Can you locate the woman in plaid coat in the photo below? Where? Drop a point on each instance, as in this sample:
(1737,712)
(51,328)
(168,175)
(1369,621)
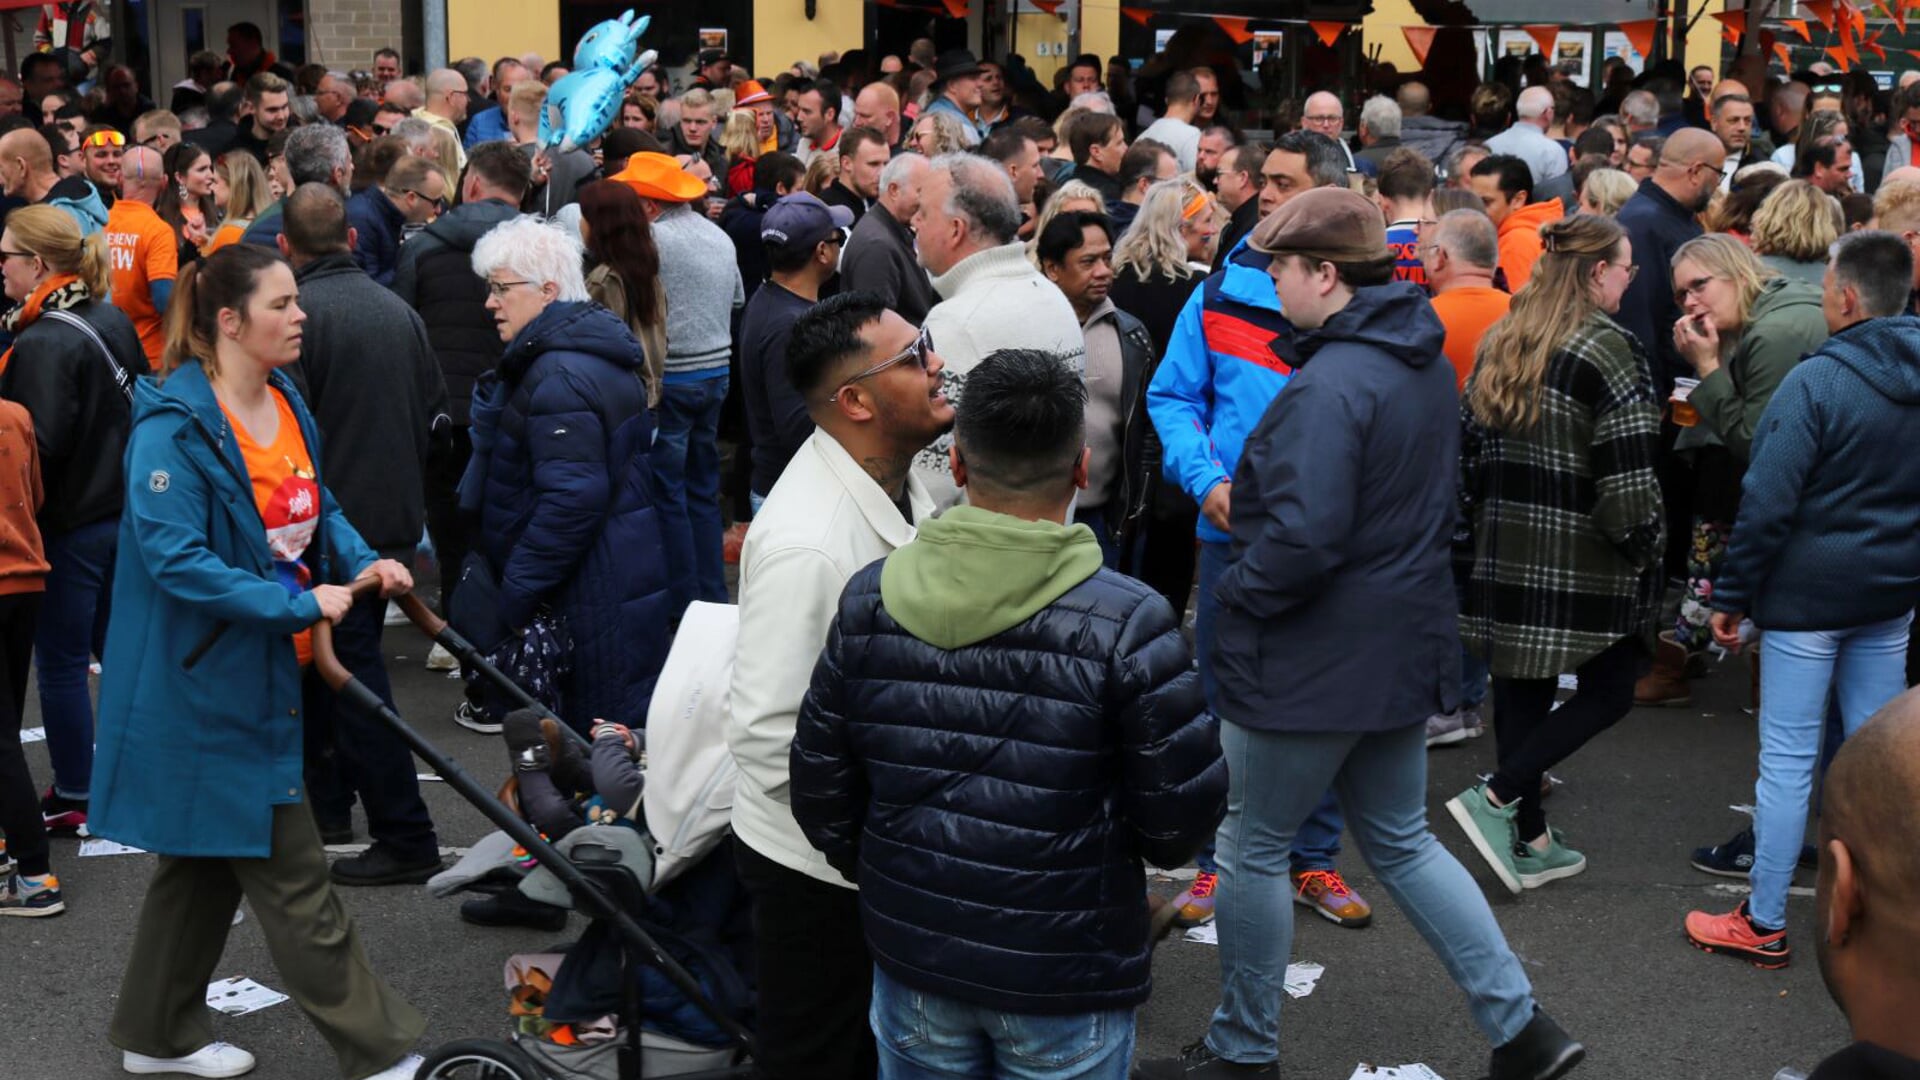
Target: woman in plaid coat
(1558,493)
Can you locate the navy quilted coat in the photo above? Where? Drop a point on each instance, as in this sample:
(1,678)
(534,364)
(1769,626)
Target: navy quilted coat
(996,800)
(568,517)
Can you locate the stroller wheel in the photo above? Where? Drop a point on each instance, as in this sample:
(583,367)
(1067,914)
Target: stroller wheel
(479,1059)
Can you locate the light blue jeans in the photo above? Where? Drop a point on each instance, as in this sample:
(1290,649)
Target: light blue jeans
(1864,667)
(925,1036)
(1274,780)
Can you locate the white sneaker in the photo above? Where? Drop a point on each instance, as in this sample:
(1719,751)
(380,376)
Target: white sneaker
(213,1059)
(404,1069)
(396,617)
(439,659)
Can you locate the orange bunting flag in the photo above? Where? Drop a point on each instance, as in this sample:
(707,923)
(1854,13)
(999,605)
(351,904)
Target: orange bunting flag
(1640,35)
(1785,54)
(1051,7)
(1873,43)
(1735,21)
(1544,36)
(956,9)
(1915,53)
(1822,10)
(1839,57)
(1235,28)
(1857,17)
(1727,35)
(1896,11)
(1798,26)
(1139,15)
(1420,40)
(1329,31)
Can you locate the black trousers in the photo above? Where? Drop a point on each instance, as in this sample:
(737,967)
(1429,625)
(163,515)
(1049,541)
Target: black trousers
(20,819)
(814,973)
(446,525)
(1531,736)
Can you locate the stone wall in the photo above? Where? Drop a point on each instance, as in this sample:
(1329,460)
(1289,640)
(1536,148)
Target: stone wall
(345,33)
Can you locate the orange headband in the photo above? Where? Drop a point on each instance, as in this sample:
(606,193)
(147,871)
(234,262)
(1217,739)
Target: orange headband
(1194,206)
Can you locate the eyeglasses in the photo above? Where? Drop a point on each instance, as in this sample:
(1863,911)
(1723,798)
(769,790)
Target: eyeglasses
(1632,269)
(5,254)
(1325,119)
(499,289)
(381,129)
(108,137)
(918,352)
(1690,288)
(439,204)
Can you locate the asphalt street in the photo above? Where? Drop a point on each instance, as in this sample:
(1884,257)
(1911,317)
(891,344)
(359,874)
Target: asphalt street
(1604,950)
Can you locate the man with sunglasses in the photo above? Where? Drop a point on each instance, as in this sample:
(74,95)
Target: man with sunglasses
(413,193)
(849,496)
(104,147)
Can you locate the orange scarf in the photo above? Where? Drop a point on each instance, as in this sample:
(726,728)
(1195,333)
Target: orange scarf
(29,309)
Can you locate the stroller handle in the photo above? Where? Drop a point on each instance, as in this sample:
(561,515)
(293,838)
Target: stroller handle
(325,661)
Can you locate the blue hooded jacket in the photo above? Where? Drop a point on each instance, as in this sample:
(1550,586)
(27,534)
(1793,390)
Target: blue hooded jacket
(1825,539)
(1231,352)
(191,760)
(568,517)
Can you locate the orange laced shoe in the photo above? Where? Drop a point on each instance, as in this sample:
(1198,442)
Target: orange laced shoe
(1328,894)
(1196,904)
(1734,935)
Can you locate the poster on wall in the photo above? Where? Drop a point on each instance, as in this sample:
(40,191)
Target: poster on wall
(1515,43)
(1266,46)
(1615,44)
(713,38)
(1571,49)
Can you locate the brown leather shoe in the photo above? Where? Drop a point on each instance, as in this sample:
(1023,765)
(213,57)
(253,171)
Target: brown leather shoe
(1666,684)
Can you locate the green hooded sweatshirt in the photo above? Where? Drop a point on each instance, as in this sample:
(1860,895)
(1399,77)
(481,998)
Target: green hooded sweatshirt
(971,573)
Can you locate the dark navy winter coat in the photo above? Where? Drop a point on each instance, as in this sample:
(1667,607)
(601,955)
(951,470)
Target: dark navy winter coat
(995,800)
(1338,611)
(1826,538)
(568,518)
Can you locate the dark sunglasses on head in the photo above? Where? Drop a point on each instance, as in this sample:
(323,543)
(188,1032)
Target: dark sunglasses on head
(439,204)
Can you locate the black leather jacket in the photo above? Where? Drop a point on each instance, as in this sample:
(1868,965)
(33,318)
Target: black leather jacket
(81,417)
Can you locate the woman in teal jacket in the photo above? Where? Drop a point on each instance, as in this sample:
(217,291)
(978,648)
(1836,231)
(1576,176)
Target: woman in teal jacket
(232,549)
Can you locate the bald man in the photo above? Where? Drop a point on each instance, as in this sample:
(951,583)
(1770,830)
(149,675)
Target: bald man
(1324,114)
(1867,933)
(445,107)
(878,107)
(141,249)
(1658,219)
(1527,140)
(26,165)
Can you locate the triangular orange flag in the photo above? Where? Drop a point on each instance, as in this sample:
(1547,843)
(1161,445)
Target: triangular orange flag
(1544,36)
(1735,21)
(1329,31)
(956,9)
(1235,28)
(1839,57)
(1822,10)
(1139,15)
(1894,10)
(1049,6)
(1420,40)
(1857,17)
(1798,26)
(1727,35)
(1640,35)
(1873,43)
(1785,54)
(1915,53)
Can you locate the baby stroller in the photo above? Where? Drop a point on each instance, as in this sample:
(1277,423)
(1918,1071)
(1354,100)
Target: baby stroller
(600,885)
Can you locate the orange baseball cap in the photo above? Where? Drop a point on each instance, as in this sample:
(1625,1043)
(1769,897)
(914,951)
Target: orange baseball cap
(659,176)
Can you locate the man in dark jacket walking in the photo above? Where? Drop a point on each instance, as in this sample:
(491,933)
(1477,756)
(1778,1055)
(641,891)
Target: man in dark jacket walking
(1058,784)
(1343,508)
(370,380)
(413,193)
(775,176)
(1825,559)
(1658,219)
(435,276)
(879,257)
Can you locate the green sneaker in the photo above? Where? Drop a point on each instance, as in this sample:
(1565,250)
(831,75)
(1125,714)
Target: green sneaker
(1536,868)
(1491,830)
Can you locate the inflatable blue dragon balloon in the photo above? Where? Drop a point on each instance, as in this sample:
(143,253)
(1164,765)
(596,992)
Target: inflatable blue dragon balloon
(584,104)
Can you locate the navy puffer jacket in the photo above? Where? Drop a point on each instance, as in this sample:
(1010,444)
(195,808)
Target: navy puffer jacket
(568,517)
(995,801)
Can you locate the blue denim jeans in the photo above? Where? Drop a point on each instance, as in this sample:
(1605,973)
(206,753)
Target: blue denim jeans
(1096,519)
(926,1036)
(686,469)
(1864,667)
(1381,780)
(72,630)
(1316,844)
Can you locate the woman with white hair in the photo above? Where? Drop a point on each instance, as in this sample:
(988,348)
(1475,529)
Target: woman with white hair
(569,535)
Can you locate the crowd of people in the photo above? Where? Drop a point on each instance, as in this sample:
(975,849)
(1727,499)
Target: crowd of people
(1000,384)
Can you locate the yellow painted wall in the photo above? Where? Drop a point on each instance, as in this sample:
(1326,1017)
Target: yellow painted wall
(1100,27)
(504,28)
(1033,29)
(782,32)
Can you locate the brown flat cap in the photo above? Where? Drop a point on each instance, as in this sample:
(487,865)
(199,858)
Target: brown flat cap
(1333,224)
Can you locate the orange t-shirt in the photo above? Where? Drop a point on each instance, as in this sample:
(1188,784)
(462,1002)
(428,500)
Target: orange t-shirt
(141,251)
(226,234)
(1466,312)
(288,498)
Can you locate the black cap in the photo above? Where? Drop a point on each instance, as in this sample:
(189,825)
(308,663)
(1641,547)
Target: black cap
(711,56)
(954,64)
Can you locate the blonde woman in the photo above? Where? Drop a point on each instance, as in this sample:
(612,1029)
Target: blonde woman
(1560,431)
(242,191)
(1793,229)
(1605,192)
(1743,326)
(936,133)
(1164,254)
(740,138)
(1072,195)
(822,171)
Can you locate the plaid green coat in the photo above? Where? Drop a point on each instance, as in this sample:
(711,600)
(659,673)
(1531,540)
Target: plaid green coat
(1564,521)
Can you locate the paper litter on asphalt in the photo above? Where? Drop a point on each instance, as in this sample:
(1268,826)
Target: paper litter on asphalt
(1415,1071)
(430,778)
(239,996)
(96,846)
(1300,979)
(33,734)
